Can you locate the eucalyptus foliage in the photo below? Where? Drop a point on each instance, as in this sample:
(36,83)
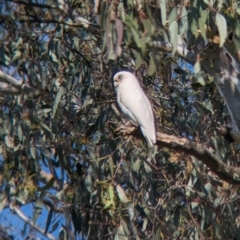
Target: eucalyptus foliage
(59,144)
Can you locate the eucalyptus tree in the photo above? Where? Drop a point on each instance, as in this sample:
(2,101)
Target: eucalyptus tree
(65,147)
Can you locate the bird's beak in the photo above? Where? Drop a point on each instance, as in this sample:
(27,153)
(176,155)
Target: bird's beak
(115,82)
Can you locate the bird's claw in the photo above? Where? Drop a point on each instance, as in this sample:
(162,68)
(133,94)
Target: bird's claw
(126,128)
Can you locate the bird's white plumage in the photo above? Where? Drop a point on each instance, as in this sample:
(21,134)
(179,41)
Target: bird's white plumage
(135,104)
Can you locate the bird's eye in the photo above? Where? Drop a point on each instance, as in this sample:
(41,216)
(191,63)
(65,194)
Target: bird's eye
(120,77)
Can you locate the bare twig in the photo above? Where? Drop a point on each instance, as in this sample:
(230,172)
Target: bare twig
(31,223)
(34,4)
(83,23)
(181,49)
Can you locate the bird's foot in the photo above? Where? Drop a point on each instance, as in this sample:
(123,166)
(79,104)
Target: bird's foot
(131,123)
(126,128)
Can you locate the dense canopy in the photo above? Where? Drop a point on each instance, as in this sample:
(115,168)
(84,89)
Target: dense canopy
(64,145)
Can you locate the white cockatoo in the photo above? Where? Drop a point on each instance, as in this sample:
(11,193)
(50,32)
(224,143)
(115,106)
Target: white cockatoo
(135,104)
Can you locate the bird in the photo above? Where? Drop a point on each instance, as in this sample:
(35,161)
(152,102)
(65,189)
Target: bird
(134,103)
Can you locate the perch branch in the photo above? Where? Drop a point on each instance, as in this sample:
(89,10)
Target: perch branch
(203,154)
(200,151)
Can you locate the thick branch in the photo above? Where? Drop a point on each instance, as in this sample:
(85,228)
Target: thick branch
(198,150)
(31,223)
(203,154)
(9,91)
(13,82)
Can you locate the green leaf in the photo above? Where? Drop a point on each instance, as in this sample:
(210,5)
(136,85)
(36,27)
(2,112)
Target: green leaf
(111,193)
(177,217)
(163,11)
(17,55)
(49,219)
(119,33)
(148,27)
(148,212)
(158,234)
(139,60)
(20,133)
(197,67)
(88,182)
(61,92)
(208,188)
(130,209)
(203,216)
(44,111)
(151,67)
(173,30)
(194,205)
(120,235)
(62,235)
(48,185)
(2,55)
(110,163)
(147,168)
(222,28)
(47,153)
(145,222)
(217,201)
(136,37)
(183,22)
(201,23)
(77,220)
(19,42)
(53,56)
(61,195)
(193,23)
(45,126)
(22,196)
(173,16)
(125,227)
(37,209)
(55,226)
(236,38)
(207,105)
(136,165)
(231,210)
(3,202)
(121,194)
(33,151)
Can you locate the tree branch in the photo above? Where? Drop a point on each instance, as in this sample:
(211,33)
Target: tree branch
(34,4)
(13,82)
(181,49)
(83,23)
(200,151)
(203,154)
(31,223)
